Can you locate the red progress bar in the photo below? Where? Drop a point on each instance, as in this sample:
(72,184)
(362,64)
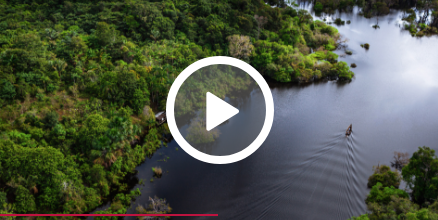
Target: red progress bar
(109,215)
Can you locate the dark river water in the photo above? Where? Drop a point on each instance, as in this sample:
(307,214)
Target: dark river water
(307,168)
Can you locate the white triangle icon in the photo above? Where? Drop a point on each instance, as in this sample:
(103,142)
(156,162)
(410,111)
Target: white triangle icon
(218,111)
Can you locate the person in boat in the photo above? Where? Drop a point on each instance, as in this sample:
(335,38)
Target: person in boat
(349,130)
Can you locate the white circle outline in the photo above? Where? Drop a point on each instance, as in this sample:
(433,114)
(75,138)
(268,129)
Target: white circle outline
(170,106)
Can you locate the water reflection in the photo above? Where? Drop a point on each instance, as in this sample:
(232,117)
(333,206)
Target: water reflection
(235,87)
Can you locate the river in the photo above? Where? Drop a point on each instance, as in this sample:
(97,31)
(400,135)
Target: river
(307,168)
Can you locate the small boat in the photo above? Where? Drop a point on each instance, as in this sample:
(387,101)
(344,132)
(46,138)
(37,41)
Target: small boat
(349,130)
(160,117)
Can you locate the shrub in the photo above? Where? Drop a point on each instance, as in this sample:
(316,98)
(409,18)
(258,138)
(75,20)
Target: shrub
(353,65)
(366,46)
(339,21)
(156,206)
(382,195)
(158,172)
(51,119)
(318,7)
(349,52)
(7,90)
(384,175)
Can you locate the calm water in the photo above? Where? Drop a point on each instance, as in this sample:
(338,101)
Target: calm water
(307,168)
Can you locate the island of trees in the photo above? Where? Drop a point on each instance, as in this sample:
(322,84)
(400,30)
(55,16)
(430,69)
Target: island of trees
(418,201)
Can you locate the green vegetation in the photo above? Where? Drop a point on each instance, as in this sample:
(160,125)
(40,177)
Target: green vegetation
(339,21)
(419,26)
(285,56)
(76,80)
(156,206)
(158,172)
(220,80)
(119,205)
(384,175)
(422,20)
(385,201)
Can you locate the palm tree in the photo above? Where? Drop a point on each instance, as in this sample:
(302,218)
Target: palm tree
(107,158)
(59,65)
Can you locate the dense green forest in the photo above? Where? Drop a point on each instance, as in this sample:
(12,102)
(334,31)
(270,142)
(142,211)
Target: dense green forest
(418,202)
(77,79)
(421,16)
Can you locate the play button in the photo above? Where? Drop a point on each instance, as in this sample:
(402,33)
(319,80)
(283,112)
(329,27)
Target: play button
(218,111)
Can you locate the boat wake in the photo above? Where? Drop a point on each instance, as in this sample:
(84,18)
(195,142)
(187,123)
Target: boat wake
(331,172)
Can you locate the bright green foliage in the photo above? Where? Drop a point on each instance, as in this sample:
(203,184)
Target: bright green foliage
(119,204)
(421,175)
(21,167)
(2,199)
(58,133)
(384,175)
(22,139)
(93,132)
(293,61)
(343,70)
(362,217)
(382,195)
(388,203)
(25,200)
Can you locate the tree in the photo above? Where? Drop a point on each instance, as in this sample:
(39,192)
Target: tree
(139,100)
(106,34)
(261,21)
(400,160)
(304,16)
(58,133)
(240,46)
(156,206)
(387,202)
(51,119)
(318,7)
(92,133)
(385,176)
(25,202)
(421,175)
(7,90)
(382,195)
